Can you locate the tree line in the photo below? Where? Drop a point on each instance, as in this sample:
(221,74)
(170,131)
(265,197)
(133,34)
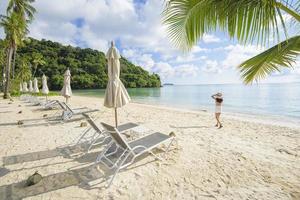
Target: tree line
(88,67)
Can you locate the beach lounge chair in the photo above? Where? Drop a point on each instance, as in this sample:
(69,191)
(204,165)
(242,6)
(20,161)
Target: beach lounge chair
(69,112)
(49,104)
(100,132)
(125,153)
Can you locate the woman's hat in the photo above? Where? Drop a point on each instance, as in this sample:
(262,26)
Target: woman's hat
(219,94)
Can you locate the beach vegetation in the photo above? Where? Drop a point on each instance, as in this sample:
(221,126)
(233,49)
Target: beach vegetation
(88,67)
(15,23)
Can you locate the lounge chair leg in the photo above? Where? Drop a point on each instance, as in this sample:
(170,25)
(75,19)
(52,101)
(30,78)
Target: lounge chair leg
(100,156)
(167,149)
(157,157)
(82,136)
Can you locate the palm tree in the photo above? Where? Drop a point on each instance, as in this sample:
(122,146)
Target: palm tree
(26,11)
(22,7)
(247,20)
(37,60)
(14,29)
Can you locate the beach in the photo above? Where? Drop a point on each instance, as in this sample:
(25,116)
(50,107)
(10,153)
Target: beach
(246,159)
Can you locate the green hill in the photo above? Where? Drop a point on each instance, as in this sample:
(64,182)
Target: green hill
(88,66)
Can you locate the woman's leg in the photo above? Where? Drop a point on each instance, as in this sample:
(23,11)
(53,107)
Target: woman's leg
(218,119)
(216,116)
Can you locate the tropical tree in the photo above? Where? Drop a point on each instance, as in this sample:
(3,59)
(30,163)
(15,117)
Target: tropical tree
(24,71)
(22,7)
(26,11)
(37,59)
(14,29)
(249,21)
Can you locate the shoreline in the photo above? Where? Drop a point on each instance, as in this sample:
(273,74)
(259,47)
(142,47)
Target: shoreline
(254,118)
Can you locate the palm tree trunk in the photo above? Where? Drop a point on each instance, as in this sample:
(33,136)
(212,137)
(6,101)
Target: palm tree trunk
(7,71)
(3,76)
(14,62)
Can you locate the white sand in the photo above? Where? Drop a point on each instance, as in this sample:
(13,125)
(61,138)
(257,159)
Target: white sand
(243,160)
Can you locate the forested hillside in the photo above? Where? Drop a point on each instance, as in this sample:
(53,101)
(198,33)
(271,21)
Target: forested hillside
(88,66)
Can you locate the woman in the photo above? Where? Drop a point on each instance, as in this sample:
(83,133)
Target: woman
(219,99)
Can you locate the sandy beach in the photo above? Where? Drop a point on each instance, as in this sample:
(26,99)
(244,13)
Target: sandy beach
(243,160)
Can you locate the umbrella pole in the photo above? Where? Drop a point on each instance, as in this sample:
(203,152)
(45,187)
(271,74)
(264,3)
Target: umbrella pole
(116,117)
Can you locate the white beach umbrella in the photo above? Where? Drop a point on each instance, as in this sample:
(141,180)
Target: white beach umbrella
(35,86)
(25,89)
(30,86)
(66,90)
(116,95)
(45,89)
(21,87)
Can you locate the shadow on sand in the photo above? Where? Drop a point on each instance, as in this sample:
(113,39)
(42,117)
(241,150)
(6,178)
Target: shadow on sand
(46,121)
(80,175)
(186,127)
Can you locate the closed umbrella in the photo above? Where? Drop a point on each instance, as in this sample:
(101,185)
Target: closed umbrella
(21,87)
(116,95)
(45,89)
(66,90)
(30,86)
(25,89)
(35,86)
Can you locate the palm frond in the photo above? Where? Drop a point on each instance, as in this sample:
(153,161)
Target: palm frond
(247,20)
(283,54)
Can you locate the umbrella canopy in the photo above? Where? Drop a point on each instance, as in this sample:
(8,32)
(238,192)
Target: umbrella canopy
(116,95)
(35,86)
(21,87)
(30,86)
(45,89)
(66,90)
(25,89)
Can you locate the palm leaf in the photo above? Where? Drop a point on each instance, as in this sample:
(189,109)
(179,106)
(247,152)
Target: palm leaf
(247,20)
(282,55)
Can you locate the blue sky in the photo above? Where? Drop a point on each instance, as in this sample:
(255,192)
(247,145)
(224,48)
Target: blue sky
(135,26)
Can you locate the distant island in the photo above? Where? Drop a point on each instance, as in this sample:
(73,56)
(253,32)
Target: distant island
(168,84)
(88,66)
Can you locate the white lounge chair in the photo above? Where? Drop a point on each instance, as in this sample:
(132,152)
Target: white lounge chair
(69,112)
(99,132)
(129,151)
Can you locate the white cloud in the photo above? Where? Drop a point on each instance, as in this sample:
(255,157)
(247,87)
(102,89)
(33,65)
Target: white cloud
(207,38)
(165,70)
(197,49)
(188,58)
(144,60)
(238,53)
(186,70)
(212,66)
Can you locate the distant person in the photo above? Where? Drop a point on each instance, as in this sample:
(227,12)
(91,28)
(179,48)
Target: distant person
(218,109)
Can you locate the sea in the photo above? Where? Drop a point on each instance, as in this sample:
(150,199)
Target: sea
(280,100)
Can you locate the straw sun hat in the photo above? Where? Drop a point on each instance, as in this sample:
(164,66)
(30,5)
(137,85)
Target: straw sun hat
(219,95)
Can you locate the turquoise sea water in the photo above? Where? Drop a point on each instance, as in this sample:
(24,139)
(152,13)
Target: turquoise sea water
(264,99)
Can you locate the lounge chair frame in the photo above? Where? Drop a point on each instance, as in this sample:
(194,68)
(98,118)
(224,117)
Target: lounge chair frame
(98,132)
(127,150)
